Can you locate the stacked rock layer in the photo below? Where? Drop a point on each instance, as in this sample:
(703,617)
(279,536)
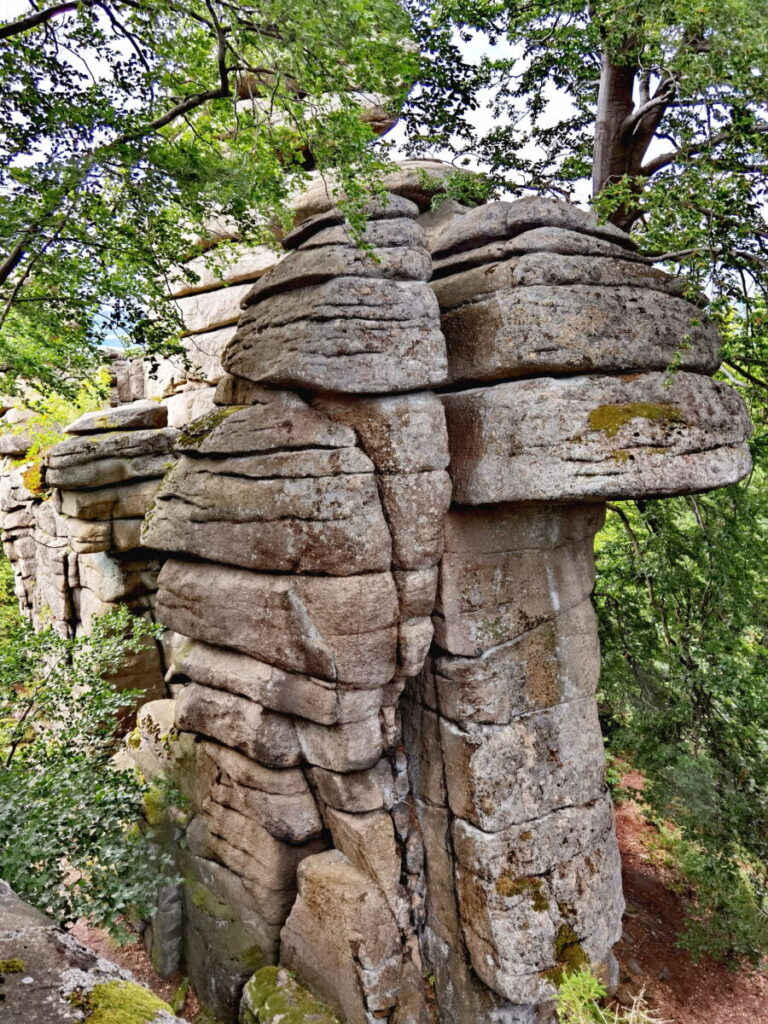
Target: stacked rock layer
(318,566)
(373,557)
(305,530)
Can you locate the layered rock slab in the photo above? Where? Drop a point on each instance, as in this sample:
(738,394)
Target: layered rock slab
(596,437)
(332,317)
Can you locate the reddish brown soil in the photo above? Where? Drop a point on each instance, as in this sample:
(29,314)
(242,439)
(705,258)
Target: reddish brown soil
(677,989)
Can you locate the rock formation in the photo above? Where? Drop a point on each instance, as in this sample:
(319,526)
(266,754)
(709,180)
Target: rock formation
(376,549)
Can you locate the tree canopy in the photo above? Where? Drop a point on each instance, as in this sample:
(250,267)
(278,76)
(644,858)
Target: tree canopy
(662,105)
(130,123)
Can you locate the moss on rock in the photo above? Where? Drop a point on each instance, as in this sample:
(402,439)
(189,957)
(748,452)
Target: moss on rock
(509,886)
(610,418)
(12,966)
(273,995)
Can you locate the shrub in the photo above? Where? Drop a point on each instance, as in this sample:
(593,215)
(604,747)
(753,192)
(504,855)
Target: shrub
(69,839)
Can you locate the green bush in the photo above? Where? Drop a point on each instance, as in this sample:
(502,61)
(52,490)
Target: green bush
(69,838)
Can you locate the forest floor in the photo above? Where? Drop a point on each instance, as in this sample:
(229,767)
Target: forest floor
(677,989)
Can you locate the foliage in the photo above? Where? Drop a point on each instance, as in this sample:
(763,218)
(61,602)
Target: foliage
(130,126)
(50,414)
(578,1002)
(725,920)
(69,842)
(663,105)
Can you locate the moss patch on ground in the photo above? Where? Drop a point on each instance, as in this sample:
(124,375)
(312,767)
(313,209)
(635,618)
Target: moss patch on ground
(610,418)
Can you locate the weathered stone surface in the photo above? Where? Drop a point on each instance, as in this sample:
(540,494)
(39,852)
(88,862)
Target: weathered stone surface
(164,934)
(368,840)
(304,696)
(117,535)
(217,902)
(264,867)
(112,579)
(189,405)
(351,356)
(503,775)
(133,416)
(356,299)
(485,224)
(349,334)
(204,352)
(316,208)
(341,939)
(335,628)
(595,437)
(239,723)
(357,792)
(533,848)
(347,747)
(245,512)
(556,661)
(308,267)
(97,460)
(538,240)
(538,329)
(272,996)
(236,391)
(275,420)
(231,264)
(495,588)
(381,234)
(520,947)
(52,967)
(292,817)
(416,590)
(415,505)
(399,433)
(414,639)
(115,502)
(208,310)
(553,271)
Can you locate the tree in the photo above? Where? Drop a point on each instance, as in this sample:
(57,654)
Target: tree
(129,124)
(661,104)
